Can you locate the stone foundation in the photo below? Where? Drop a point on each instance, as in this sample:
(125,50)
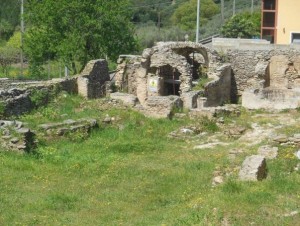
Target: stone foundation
(68,127)
(169,68)
(161,107)
(19,97)
(15,137)
(269,98)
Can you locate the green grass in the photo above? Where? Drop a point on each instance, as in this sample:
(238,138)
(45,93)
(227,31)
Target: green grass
(136,175)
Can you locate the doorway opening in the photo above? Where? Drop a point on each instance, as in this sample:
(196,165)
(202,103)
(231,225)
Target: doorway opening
(170,80)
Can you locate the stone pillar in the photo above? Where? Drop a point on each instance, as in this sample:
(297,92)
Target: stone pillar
(201,102)
(278,66)
(91,82)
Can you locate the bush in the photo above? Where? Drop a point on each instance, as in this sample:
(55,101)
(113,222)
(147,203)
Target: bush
(39,97)
(243,25)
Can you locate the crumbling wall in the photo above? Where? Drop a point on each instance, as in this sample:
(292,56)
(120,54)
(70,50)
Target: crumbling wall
(91,82)
(126,73)
(218,92)
(252,68)
(267,79)
(18,97)
(18,101)
(270,99)
(15,137)
(165,69)
(284,72)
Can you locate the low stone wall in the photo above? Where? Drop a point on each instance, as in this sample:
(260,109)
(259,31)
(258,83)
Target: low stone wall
(27,96)
(161,106)
(15,102)
(127,99)
(68,126)
(278,99)
(18,97)
(15,137)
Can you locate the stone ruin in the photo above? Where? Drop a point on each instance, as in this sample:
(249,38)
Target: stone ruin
(15,137)
(280,85)
(17,97)
(91,82)
(68,126)
(163,78)
(166,76)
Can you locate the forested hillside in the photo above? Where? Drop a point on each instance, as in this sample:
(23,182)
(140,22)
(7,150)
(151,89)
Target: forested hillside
(70,33)
(163,19)
(171,20)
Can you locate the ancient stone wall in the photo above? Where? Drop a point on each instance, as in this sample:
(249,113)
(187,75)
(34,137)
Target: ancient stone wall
(171,68)
(91,82)
(267,79)
(125,77)
(18,97)
(252,68)
(17,101)
(277,99)
(218,92)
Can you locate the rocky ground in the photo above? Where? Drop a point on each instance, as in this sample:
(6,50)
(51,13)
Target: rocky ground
(257,137)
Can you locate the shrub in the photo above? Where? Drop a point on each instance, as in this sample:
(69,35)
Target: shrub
(39,97)
(243,25)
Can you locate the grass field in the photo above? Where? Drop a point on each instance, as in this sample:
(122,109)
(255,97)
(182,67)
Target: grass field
(131,173)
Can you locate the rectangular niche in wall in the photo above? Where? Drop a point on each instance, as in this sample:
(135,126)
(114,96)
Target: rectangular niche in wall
(296,38)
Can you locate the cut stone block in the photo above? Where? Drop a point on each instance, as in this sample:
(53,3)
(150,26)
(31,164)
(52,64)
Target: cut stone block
(161,106)
(127,99)
(254,168)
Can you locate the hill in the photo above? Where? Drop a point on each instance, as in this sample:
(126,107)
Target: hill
(152,19)
(153,28)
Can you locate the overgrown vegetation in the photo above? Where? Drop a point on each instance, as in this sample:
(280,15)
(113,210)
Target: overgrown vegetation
(201,83)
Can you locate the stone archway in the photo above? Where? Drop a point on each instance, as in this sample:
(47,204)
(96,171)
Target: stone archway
(169,68)
(190,60)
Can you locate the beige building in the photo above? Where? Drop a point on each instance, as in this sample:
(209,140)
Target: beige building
(281,21)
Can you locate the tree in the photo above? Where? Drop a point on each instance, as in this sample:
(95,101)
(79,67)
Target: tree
(10,53)
(157,11)
(243,25)
(9,18)
(185,15)
(6,29)
(77,31)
